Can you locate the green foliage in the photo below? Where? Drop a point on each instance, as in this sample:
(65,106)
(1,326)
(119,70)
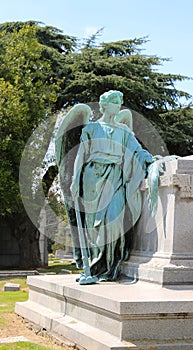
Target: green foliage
(57,206)
(26,97)
(23,67)
(57,245)
(55,46)
(42,70)
(122,66)
(177,130)
(48,36)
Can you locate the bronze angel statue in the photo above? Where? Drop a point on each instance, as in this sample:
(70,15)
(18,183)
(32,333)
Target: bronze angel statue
(101,166)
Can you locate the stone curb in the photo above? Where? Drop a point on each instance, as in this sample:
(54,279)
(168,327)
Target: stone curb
(17,273)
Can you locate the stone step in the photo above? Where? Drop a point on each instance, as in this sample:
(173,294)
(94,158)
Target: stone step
(79,332)
(125,314)
(86,336)
(37,314)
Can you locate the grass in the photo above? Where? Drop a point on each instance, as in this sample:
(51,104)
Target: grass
(24,346)
(8,299)
(56,266)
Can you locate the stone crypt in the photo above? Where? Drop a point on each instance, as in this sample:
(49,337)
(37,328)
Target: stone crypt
(151,306)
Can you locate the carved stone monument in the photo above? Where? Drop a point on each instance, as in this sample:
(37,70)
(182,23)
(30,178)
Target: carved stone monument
(163,246)
(132,313)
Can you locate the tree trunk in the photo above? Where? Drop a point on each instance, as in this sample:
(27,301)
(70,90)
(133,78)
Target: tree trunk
(27,236)
(29,252)
(24,230)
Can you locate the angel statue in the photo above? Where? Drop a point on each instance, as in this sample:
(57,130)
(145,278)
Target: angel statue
(101,165)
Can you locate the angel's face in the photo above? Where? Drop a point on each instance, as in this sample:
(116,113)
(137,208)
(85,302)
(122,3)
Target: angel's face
(112,108)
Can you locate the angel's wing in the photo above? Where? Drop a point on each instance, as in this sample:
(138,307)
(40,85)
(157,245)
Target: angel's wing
(68,135)
(67,142)
(125,117)
(66,147)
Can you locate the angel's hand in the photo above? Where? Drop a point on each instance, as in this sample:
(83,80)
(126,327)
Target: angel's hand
(149,159)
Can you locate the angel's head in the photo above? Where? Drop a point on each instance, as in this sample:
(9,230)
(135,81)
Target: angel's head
(111,96)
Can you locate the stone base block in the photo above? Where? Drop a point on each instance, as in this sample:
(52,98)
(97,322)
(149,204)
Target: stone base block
(158,270)
(11,287)
(110,315)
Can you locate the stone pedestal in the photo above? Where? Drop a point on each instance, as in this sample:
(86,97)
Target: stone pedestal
(163,245)
(132,313)
(111,315)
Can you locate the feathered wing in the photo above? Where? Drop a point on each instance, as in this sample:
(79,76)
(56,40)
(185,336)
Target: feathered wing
(68,135)
(125,117)
(66,147)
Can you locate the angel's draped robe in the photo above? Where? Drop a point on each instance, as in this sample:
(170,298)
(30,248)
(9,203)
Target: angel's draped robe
(109,168)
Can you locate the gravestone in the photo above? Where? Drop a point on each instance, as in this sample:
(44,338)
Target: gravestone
(11,287)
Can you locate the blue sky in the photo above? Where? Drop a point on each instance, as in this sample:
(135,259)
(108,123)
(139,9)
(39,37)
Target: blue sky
(168,24)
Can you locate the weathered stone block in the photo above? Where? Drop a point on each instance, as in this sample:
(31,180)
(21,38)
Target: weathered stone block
(11,287)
